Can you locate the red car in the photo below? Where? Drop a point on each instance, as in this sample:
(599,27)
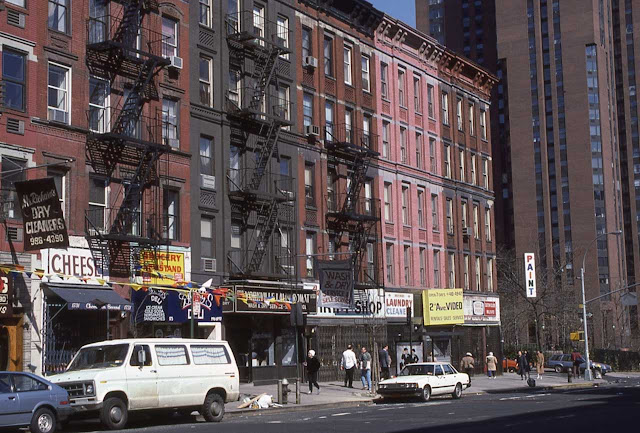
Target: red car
(509,365)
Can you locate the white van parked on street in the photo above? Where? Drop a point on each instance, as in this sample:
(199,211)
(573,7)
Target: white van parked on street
(114,377)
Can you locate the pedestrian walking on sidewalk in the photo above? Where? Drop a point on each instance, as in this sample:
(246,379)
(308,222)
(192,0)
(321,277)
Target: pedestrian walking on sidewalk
(540,364)
(348,364)
(385,361)
(576,357)
(365,368)
(466,365)
(313,365)
(523,365)
(492,365)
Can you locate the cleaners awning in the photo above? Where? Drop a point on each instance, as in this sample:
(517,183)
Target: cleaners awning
(88,297)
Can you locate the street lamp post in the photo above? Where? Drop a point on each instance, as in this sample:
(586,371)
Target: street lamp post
(587,369)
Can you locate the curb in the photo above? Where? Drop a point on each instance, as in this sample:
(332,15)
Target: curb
(539,388)
(296,408)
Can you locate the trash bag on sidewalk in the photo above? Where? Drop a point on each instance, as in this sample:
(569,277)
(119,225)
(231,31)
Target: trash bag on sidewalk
(265,401)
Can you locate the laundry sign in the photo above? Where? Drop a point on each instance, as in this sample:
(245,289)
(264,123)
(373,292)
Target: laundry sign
(530,274)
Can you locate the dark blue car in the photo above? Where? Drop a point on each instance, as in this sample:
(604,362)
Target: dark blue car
(27,400)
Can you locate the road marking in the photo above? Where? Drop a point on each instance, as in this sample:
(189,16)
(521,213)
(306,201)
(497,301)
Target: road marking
(274,422)
(565,416)
(386,408)
(341,414)
(322,417)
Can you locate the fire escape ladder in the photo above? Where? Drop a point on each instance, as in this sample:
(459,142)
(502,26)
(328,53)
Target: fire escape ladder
(267,145)
(264,67)
(130,25)
(267,219)
(132,108)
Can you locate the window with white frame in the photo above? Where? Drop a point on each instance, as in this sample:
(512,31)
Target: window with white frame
(417,94)
(487,224)
(98,105)
(283,103)
(430,110)
(60,179)
(432,154)
(204,17)
(421,222)
(462,167)
(366,130)
(483,124)
(445,108)
(206,87)
(419,145)
(385,139)
(170,122)
(407,265)
(478,281)
(388,197)
(234,86)
(12,170)
(435,223)
(485,173)
(384,80)
(283,33)
(476,221)
(206,155)
(463,207)
(348,124)
(436,268)
(403,145)
(259,23)
(310,245)
(466,271)
(423,267)
(169,37)
(328,56)
(348,52)
(401,87)
(59,15)
(447,161)
(307,109)
(459,114)
(329,119)
(449,216)
(371,262)
(489,275)
(452,270)
(389,263)
(307,46)
(474,169)
(236,236)
(309,193)
(405,206)
(472,126)
(366,78)
(97,203)
(171,210)
(206,237)
(59,93)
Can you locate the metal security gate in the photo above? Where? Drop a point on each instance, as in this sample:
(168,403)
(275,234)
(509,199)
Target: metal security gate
(331,341)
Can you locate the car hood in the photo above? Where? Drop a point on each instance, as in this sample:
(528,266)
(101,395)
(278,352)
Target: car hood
(76,376)
(404,379)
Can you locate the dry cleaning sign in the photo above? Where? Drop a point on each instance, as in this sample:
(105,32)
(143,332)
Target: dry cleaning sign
(44,225)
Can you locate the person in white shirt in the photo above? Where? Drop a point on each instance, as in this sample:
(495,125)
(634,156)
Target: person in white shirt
(348,364)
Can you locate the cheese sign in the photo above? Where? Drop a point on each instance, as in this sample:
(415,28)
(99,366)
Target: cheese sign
(530,274)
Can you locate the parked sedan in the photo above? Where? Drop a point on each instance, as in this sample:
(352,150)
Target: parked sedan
(424,380)
(562,363)
(27,400)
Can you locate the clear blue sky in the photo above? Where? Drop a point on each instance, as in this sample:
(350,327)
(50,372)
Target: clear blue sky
(404,10)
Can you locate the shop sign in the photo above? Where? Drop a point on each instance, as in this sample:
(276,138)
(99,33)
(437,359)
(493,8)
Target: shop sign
(530,274)
(336,283)
(481,309)
(44,225)
(156,305)
(367,303)
(77,262)
(396,305)
(169,264)
(6,291)
(442,307)
(273,301)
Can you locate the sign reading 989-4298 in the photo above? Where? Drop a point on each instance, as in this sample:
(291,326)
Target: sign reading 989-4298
(44,225)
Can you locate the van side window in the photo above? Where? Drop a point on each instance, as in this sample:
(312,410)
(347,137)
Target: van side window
(172,354)
(134,356)
(209,354)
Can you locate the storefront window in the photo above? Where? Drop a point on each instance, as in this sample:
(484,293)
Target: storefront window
(288,347)
(262,349)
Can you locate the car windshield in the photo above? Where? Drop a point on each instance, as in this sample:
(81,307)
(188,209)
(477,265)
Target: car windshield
(417,370)
(99,357)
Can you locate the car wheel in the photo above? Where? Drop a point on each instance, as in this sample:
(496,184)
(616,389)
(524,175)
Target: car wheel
(558,368)
(457,392)
(43,421)
(213,408)
(512,370)
(426,393)
(114,414)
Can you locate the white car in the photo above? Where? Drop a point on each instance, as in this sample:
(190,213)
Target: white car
(424,380)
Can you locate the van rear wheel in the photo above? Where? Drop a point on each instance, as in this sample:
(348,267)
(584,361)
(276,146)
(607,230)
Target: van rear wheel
(114,414)
(213,408)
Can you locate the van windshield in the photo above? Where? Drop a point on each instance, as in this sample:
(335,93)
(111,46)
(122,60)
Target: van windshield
(112,355)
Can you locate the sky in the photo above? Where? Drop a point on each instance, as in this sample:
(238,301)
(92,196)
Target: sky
(404,10)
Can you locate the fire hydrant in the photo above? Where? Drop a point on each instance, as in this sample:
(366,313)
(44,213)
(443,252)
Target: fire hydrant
(569,376)
(283,391)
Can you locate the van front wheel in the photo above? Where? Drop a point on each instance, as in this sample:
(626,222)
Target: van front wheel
(114,414)
(213,408)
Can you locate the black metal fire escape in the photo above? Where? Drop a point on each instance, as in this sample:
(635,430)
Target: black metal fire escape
(354,220)
(256,118)
(125,143)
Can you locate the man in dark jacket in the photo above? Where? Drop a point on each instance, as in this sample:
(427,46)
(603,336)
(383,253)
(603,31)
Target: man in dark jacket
(313,365)
(385,361)
(523,365)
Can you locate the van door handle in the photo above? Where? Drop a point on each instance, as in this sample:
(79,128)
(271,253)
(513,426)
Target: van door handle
(153,371)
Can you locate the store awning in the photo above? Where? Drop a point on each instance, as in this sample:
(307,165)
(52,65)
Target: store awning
(88,297)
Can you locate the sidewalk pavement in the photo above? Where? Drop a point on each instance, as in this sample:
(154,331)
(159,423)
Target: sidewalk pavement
(334,394)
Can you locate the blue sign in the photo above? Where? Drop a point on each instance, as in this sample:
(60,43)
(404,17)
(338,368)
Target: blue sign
(155,305)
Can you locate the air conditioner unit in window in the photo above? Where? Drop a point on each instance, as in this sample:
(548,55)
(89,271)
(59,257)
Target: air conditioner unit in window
(209,265)
(312,130)
(175,62)
(310,62)
(466,231)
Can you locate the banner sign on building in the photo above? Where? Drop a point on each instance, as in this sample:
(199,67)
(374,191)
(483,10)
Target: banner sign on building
(6,307)
(481,309)
(44,225)
(396,304)
(273,301)
(76,262)
(367,303)
(336,283)
(442,307)
(169,264)
(156,305)
(530,274)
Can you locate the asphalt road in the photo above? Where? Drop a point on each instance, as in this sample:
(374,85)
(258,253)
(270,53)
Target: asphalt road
(615,404)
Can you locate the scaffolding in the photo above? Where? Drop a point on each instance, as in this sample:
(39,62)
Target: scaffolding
(127,144)
(261,199)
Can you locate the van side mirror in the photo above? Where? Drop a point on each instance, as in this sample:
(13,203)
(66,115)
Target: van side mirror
(142,357)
